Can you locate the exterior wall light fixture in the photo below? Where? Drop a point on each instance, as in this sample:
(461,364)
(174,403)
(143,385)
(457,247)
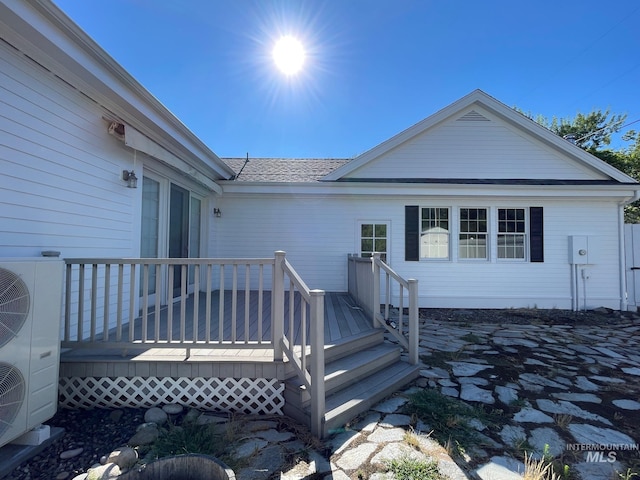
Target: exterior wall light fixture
(217,212)
(129,176)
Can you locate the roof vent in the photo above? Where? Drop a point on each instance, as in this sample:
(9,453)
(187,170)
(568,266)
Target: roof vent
(473,116)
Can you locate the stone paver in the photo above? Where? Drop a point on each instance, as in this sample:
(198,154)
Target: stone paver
(569,384)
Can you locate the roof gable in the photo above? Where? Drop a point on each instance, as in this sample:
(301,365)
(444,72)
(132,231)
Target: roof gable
(477,137)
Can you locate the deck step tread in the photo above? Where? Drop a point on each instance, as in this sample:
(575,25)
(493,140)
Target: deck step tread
(346,346)
(345,371)
(358,359)
(363,394)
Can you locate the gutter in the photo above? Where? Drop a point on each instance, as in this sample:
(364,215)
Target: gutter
(624,302)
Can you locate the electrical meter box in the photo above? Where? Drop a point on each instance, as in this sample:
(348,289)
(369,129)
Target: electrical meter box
(582,250)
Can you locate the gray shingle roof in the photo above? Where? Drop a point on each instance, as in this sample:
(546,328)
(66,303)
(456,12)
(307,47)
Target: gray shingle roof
(283,169)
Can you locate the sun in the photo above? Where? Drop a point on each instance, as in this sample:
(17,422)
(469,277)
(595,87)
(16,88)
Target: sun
(289,55)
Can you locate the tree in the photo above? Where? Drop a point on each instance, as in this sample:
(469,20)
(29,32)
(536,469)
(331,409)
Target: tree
(592,132)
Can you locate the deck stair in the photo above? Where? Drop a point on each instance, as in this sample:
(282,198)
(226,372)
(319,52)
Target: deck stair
(359,372)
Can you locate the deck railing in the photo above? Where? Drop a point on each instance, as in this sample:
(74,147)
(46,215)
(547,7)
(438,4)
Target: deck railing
(199,303)
(365,278)
(311,337)
(153,302)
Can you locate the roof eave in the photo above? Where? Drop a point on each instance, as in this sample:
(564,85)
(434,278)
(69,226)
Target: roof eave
(52,39)
(617,191)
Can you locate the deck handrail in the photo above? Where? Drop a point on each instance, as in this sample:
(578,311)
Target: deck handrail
(364,287)
(312,376)
(117,302)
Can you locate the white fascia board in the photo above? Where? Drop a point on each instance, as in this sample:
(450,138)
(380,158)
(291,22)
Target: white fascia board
(617,192)
(137,141)
(547,136)
(41,30)
(480,98)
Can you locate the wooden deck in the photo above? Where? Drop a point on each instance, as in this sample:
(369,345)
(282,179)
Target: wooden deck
(343,319)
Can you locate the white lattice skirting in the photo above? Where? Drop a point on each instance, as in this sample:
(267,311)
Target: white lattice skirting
(246,395)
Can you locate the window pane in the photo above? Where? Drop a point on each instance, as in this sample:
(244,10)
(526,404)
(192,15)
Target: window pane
(472,246)
(194,234)
(373,238)
(511,233)
(434,235)
(511,246)
(150,222)
(472,239)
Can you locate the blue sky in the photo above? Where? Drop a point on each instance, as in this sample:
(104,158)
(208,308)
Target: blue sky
(373,68)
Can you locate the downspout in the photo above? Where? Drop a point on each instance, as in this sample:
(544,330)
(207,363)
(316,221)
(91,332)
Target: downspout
(621,247)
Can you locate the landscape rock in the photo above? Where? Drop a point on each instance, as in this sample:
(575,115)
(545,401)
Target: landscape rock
(173,409)
(156,415)
(124,457)
(626,404)
(501,468)
(476,394)
(546,440)
(67,454)
(104,472)
(144,436)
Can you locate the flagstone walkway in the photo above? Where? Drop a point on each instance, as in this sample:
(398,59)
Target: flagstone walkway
(565,390)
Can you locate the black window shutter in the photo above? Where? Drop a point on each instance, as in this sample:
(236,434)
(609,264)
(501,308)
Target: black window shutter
(536,234)
(411,233)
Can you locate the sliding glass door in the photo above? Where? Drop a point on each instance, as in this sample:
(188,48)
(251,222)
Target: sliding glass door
(171,226)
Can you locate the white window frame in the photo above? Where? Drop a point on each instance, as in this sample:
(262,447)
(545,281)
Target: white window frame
(525,235)
(164,177)
(487,234)
(359,225)
(448,234)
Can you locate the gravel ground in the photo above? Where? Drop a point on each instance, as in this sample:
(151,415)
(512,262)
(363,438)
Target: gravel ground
(97,432)
(599,316)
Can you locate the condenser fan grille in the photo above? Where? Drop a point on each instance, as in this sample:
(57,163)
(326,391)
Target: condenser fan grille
(12,394)
(14,305)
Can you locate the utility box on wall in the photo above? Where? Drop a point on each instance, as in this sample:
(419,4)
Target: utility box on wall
(582,250)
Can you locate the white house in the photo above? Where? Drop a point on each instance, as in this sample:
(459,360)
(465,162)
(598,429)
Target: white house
(480,205)
(486,208)
(506,196)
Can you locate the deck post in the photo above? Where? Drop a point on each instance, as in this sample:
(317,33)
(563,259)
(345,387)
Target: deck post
(413,321)
(277,305)
(375,308)
(317,362)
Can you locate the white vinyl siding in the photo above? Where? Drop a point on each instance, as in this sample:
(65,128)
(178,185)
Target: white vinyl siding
(474,150)
(61,186)
(317,233)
